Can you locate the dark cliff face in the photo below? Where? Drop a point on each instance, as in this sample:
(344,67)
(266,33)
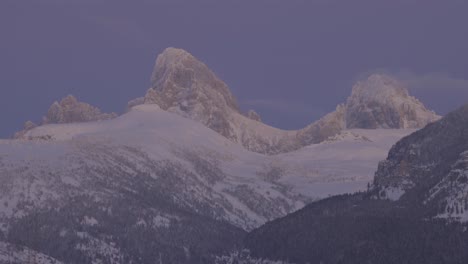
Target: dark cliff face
(420,161)
(355,229)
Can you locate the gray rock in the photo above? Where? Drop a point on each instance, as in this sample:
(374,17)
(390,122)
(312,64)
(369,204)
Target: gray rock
(381,101)
(70,110)
(181,83)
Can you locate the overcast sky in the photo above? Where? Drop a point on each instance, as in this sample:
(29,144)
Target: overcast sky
(292,61)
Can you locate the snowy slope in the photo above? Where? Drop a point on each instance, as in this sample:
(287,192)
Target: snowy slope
(165,178)
(147,135)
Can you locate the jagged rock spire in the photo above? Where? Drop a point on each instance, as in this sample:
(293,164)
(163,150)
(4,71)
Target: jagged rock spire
(70,110)
(381,101)
(181,83)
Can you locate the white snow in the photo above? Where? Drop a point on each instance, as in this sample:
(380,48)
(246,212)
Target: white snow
(343,164)
(455,189)
(161,221)
(394,193)
(89,220)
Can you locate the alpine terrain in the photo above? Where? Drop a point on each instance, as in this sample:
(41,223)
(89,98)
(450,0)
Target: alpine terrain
(183,175)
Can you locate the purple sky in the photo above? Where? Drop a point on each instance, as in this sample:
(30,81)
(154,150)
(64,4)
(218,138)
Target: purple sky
(292,61)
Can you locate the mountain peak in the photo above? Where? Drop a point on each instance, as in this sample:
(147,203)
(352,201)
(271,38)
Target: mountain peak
(70,110)
(179,77)
(381,101)
(173,54)
(183,84)
(168,60)
(379,87)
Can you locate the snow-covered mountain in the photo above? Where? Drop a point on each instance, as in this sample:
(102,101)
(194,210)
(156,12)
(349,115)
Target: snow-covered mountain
(186,86)
(183,174)
(219,165)
(164,177)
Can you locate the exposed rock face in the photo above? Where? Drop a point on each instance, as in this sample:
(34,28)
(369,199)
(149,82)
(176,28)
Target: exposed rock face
(180,83)
(330,125)
(430,166)
(70,110)
(381,101)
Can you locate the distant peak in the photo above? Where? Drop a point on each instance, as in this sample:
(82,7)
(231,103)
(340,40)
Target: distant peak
(172,56)
(173,60)
(379,85)
(179,80)
(70,110)
(182,84)
(382,101)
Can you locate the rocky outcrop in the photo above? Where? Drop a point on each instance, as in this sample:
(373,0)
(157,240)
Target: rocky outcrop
(381,101)
(70,110)
(180,83)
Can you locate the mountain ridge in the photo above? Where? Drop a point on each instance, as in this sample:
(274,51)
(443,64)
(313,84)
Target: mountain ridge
(182,84)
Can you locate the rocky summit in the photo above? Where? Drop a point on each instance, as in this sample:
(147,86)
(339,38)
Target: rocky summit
(381,101)
(180,83)
(68,110)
